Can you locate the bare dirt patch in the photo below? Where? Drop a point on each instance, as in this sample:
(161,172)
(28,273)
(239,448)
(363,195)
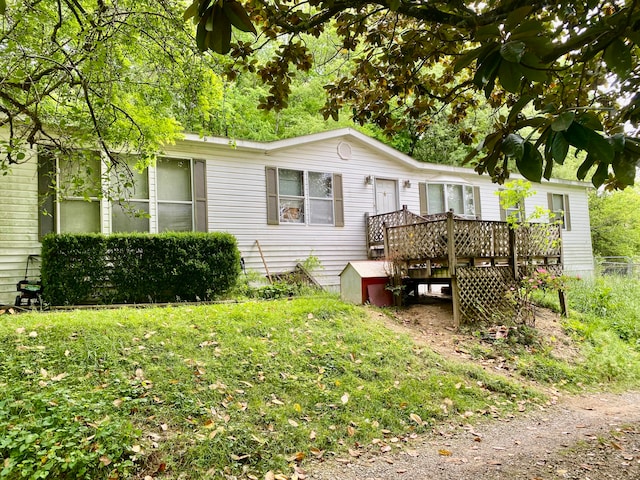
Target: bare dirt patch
(586,437)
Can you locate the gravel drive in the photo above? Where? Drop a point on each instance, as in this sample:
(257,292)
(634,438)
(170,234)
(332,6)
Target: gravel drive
(586,437)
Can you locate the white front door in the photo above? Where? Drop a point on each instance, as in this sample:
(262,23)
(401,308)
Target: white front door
(386,196)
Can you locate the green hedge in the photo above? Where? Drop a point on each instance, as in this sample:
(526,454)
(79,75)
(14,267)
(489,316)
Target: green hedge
(137,268)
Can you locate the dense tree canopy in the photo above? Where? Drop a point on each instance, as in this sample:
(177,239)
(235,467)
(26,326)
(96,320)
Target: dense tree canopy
(615,223)
(559,74)
(110,75)
(560,77)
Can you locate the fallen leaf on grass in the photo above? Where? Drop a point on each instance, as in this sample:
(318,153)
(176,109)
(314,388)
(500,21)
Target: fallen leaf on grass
(293,423)
(355,453)
(59,377)
(416,418)
(444,452)
(238,458)
(297,457)
(344,398)
(316,452)
(104,460)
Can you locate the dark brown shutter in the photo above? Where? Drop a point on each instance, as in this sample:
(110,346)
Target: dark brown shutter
(422,193)
(200,194)
(271,174)
(46,193)
(338,200)
(476,202)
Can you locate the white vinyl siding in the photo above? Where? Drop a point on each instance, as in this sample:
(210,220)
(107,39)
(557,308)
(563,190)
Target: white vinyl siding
(18,226)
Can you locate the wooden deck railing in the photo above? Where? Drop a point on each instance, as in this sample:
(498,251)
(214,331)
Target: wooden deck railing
(480,260)
(376,224)
(429,240)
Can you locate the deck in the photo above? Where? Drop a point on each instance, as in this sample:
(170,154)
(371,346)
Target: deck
(481,260)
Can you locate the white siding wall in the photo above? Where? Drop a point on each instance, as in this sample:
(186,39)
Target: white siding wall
(237,204)
(18,226)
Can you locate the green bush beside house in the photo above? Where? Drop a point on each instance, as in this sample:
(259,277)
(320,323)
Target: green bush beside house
(138,268)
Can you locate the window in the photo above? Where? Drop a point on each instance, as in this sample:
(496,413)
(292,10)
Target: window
(170,196)
(320,198)
(301,197)
(559,207)
(175,200)
(131,214)
(515,212)
(79,192)
(291,188)
(461,199)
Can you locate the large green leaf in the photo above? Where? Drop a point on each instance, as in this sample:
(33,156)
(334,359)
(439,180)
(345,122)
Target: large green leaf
(513,51)
(510,76)
(487,70)
(513,146)
(600,175)
(191,11)
(533,68)
(3,7)
(583,169)
(559,147)
(563,121)
(625,169)
(617,56)
(468,57)
(590,120)
(530,165)
(587,139)
(517,16)
(238,16)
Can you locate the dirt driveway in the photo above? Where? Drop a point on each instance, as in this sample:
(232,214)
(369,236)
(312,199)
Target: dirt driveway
(587,437)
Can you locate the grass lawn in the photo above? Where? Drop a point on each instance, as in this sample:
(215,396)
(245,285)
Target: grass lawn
(221,391)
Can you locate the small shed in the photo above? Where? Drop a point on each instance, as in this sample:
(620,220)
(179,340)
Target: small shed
(365,282)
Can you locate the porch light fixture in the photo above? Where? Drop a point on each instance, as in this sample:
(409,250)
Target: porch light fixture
(368,180)
(407,184)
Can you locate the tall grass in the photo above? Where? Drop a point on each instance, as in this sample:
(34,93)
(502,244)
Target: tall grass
(605,320)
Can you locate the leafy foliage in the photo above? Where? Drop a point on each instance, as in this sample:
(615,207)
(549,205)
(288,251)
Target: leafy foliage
(575,65)
(106,75)
(138,268)
(615,222)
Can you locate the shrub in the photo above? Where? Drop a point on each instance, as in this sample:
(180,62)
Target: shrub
(135,268)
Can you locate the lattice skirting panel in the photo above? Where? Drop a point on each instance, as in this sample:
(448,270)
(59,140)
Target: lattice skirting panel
(485,293)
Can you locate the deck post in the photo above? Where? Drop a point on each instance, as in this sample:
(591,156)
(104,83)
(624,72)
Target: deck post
(366,234)
(451,251)
(514,253)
